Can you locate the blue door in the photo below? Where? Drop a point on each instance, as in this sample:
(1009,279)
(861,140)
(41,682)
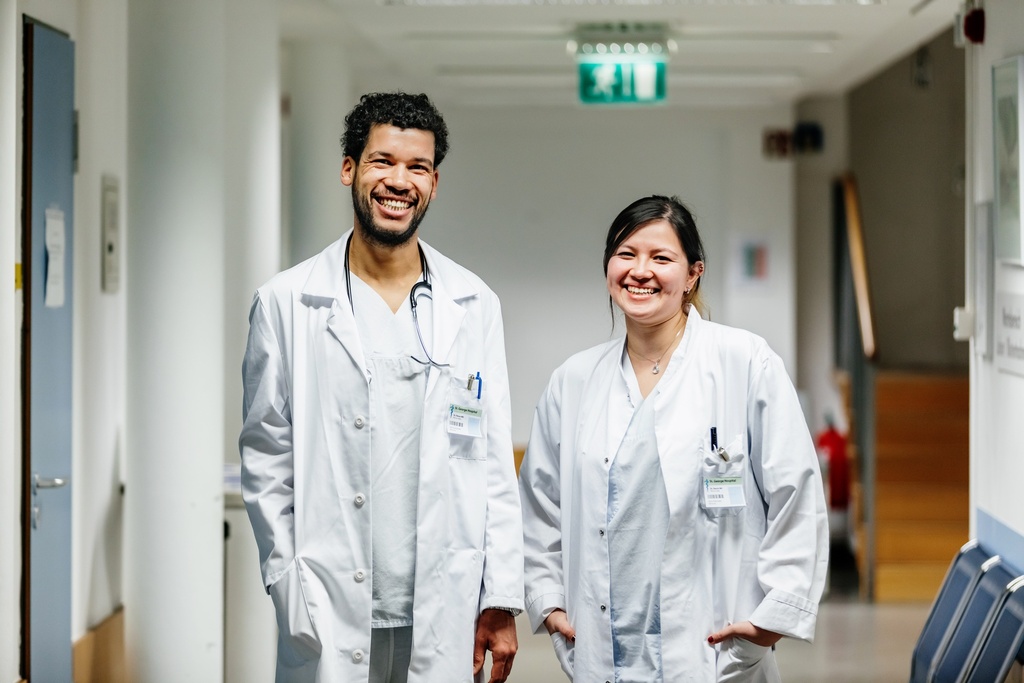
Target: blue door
(47,268)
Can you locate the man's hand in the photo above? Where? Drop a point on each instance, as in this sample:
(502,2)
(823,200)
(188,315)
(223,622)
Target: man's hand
(746,631)
(495,631)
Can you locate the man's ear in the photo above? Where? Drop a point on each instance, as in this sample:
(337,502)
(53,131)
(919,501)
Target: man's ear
(348,171)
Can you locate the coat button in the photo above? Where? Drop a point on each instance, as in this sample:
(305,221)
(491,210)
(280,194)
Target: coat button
(359,576)
(601,532)
(606,461)
(604,607)
(359,422)
(359,500)
(357,656)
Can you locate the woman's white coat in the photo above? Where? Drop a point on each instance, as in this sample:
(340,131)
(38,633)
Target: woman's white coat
(306,474)
(766,564)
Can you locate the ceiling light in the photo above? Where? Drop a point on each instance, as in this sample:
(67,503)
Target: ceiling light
(622,3)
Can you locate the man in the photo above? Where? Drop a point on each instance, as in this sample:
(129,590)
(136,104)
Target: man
(376,446)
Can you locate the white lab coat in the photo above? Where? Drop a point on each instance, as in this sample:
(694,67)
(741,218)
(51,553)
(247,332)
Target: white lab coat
(766,564)
(306,474)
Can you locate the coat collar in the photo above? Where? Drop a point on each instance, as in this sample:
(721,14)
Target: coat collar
(450,285)
(327,274)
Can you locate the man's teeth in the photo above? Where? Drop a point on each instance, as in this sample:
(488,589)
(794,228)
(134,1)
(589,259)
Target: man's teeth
(394,204)
(640,290)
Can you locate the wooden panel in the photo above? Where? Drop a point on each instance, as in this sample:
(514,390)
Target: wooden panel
(99,656)
(922,470)
(898,392)
(915,502)
(919,541)
(916,582)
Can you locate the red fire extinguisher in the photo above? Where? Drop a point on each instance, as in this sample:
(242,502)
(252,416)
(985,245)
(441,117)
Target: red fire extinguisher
(832,444)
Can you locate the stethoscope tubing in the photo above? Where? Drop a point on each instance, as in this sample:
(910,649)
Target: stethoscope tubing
(422,284)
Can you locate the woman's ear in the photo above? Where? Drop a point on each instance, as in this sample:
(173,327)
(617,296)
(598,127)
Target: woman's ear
(696,270)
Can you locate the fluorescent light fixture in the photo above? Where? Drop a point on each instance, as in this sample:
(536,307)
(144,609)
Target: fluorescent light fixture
(622,3)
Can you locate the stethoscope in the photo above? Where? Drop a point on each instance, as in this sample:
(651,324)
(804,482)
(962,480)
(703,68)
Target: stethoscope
(421,288)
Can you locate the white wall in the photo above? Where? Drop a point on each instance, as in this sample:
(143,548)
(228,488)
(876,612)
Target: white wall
(997,432)
(526,196)
(10,450)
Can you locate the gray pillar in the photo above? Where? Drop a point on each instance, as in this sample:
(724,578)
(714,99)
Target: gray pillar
(320,93)
(175,242)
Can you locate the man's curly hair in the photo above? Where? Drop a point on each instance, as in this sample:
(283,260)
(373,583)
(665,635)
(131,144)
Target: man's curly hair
(399,109)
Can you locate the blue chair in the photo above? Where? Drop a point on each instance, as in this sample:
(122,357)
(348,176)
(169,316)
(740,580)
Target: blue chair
(961,579)
(995,656)
(978,616)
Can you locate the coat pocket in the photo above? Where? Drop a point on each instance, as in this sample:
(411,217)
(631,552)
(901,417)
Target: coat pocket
(565,652)
(723,480)
(742,660)
(294,623)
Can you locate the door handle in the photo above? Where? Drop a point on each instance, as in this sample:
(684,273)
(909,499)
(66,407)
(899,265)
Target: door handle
(45,483)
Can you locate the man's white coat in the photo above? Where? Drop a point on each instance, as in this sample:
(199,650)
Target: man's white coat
(305,447)
(766,564)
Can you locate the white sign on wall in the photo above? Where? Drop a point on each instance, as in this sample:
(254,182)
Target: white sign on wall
(1009,332)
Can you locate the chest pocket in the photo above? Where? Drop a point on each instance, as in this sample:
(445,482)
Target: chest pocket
(465,421)
(724,478)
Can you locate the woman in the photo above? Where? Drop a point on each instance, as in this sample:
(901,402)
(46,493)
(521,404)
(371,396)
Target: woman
(673,510)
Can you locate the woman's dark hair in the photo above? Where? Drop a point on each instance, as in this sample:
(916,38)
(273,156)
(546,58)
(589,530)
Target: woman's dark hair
(398,109)
(645,211)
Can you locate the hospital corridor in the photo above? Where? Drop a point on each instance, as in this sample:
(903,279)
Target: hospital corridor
(212,252)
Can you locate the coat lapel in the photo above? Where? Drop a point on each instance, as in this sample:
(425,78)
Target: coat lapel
(326,286)
(448,286)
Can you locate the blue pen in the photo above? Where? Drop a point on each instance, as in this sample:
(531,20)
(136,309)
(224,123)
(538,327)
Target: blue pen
(479,386)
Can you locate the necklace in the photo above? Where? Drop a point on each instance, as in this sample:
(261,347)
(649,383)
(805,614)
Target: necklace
(657,363)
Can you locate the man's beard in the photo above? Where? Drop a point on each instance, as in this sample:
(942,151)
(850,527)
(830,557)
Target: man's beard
(372,233)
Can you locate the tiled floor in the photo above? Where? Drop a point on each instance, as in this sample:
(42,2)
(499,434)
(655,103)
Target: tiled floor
(855,642)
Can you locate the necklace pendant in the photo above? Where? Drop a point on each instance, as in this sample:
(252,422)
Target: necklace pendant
(656,369)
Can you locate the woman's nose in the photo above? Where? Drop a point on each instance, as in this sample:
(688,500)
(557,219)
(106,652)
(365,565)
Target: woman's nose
(641,270)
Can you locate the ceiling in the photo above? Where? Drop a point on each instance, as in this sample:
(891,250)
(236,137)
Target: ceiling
(729,53)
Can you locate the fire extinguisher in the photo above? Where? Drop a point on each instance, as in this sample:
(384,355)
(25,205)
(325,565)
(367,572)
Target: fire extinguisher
(831,443)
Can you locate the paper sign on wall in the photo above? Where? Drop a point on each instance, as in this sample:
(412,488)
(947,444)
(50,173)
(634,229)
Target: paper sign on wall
(55,240)
(1009,332)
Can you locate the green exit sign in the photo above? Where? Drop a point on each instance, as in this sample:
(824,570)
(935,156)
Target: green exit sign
(622,80)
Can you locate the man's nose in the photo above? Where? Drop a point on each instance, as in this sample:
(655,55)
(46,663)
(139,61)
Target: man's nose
(399,177)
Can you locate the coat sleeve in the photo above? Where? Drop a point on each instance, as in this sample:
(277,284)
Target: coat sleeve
(793,557)
(265,445)
(503,535)
(540,490)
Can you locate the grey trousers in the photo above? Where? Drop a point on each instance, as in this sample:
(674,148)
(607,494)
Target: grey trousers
(390,652)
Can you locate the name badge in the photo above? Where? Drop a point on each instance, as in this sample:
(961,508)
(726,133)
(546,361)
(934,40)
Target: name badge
(723,492)
(465,421)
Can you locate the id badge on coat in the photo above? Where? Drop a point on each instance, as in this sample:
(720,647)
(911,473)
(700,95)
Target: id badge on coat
(465,421)
(722,483)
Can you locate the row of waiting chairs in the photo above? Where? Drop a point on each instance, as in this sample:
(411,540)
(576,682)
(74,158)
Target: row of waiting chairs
(975,629)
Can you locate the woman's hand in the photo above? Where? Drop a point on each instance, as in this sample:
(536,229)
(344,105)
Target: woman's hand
(558,622)
(746,631)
